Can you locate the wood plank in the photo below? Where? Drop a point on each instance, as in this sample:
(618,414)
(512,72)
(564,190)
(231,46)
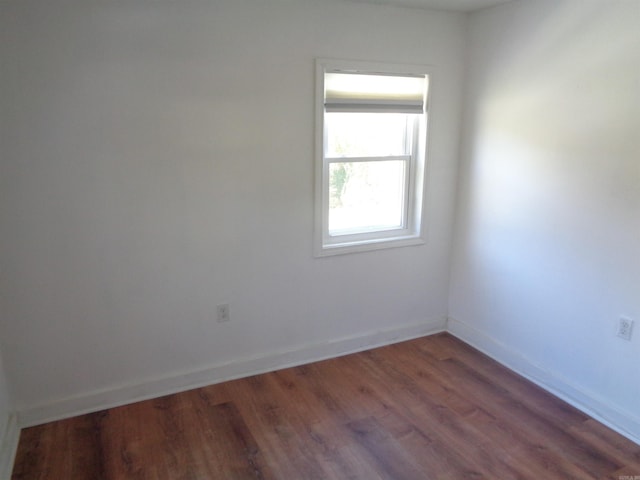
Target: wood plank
(488,429)
(448,429)
(535,397)
(36,457)
(435,457)
(515,444)
(129,433)
(237,450)
(537,426)
(428,408)
(384,450)
(271,420)
(606,440)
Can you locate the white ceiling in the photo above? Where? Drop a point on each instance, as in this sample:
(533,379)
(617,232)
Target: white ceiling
(456,5)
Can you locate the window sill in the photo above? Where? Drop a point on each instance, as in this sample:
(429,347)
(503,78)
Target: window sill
(368,245)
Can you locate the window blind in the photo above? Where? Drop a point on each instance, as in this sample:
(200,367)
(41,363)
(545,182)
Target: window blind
(359,92)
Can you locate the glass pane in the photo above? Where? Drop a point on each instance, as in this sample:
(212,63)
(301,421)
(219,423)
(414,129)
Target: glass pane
(367,134)
(366,196)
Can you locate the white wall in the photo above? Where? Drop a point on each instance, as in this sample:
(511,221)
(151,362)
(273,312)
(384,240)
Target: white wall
(547,251)
(158,161)
(8,427)
(5,405)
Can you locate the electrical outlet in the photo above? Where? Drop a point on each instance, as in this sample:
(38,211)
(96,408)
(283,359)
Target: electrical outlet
(222,313)
(625,327)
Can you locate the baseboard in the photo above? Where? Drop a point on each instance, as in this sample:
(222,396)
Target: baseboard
(589,403)
(9,446)
(181,381)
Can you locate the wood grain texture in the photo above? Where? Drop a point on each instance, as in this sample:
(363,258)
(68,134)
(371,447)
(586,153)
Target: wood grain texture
(431,408)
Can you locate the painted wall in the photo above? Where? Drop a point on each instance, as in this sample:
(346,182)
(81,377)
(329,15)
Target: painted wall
(8,428)
(158,161)
(548,233)
(5,405)
(4,400)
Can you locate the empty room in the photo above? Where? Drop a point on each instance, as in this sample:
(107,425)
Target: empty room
(319,239)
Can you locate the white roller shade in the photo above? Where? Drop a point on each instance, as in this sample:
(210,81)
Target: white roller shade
(358,92)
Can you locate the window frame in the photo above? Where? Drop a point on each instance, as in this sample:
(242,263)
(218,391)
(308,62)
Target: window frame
(412,232)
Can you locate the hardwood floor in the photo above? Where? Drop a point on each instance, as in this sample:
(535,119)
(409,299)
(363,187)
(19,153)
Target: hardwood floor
(427,408)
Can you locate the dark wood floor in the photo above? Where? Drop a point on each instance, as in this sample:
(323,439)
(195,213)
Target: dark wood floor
(427,408)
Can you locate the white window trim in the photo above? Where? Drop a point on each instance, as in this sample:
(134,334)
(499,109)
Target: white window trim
(415,231)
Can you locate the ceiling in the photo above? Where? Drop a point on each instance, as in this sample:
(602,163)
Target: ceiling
(455,5)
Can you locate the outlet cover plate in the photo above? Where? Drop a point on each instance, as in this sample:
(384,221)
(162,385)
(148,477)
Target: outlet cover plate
(223,313)
(625,328)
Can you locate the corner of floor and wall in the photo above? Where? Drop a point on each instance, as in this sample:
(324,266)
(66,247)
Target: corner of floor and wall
(157,162)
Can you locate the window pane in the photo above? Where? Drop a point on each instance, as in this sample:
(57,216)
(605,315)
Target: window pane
(367,134)
(366,196)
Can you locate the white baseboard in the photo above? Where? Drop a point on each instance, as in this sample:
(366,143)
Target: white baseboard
(181,381)
(9,446)
(589,403)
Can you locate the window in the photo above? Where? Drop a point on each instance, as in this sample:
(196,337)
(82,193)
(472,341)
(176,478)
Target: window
(371,143)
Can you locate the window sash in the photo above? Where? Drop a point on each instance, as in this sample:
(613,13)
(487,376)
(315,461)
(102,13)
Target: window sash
(356,235)
(367,159)
(334,124)
(377,233)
